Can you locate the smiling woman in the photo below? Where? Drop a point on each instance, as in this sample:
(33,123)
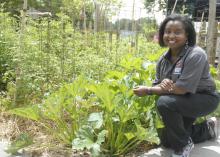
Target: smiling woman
(185,87)
(175,37)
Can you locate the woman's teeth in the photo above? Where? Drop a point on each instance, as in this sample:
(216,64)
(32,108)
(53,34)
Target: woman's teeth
(172,42)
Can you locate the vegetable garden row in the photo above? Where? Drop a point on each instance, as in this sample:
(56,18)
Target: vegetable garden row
(77,87)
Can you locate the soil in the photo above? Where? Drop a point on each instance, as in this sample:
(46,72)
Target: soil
(11,127)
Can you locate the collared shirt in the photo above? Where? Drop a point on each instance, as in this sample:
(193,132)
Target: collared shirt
(190,71)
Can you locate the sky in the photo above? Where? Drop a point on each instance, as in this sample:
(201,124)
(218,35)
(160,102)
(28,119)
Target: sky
(126,11)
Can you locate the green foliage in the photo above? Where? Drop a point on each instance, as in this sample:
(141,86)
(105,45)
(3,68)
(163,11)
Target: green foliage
(121,118)
(31,112)
(62,112)
(217,111)
(49,53)
(125,119)
(105,117)
(186,7)
(5,101)
(7,45)
(15,6)
(213,71)
(151,4)
(87,138)
(217,85)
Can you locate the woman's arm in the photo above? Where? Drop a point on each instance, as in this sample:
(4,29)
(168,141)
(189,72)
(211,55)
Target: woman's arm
(165,87)
(171,87)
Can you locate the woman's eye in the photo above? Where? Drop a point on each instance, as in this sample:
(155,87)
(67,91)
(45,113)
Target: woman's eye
(174,33)
(177,33)
(167,32)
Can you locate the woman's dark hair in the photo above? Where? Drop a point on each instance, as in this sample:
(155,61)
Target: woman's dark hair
(187,23)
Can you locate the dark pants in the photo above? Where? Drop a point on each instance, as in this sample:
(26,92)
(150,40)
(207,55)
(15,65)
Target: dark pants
(179,112)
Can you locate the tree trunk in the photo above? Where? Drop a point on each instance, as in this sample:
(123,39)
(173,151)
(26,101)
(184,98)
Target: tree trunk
(213,54)
(84,18)
(211,30)
(97,18)
(201,31)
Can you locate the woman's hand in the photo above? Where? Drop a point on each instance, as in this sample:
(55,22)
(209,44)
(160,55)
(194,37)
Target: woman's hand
(167,85)
(141,90)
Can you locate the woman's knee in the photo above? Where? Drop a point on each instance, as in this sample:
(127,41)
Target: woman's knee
(164,102)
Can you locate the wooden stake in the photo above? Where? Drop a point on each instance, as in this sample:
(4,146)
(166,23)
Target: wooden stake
(211,31)
(21,50)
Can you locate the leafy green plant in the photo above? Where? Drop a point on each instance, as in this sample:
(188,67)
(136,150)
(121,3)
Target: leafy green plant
(88,138)
(213,71)
(62,112)
(119,122)
(123,118)
(7,44)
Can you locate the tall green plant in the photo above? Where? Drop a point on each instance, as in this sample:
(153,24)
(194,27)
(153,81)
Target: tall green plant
(7,45)
(121,119)
(124,119)
(62,112)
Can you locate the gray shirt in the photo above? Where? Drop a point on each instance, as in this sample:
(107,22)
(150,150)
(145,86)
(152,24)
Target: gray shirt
(190,71)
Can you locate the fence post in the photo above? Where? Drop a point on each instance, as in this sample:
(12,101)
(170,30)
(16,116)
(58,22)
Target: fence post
(18,68)
(211,30)
(133,26)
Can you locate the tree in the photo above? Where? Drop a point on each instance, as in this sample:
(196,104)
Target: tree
(103,11)
(212,30)
(14,7)
(182,7)
(150,5)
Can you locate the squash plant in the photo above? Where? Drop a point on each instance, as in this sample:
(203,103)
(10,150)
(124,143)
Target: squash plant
(62,112)
(123,119)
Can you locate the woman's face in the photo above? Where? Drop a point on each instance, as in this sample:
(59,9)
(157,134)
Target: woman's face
(175,35)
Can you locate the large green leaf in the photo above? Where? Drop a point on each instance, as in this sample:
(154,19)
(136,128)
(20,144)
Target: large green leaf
(103,92)
(97,119)
(87,139)
(31,112)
